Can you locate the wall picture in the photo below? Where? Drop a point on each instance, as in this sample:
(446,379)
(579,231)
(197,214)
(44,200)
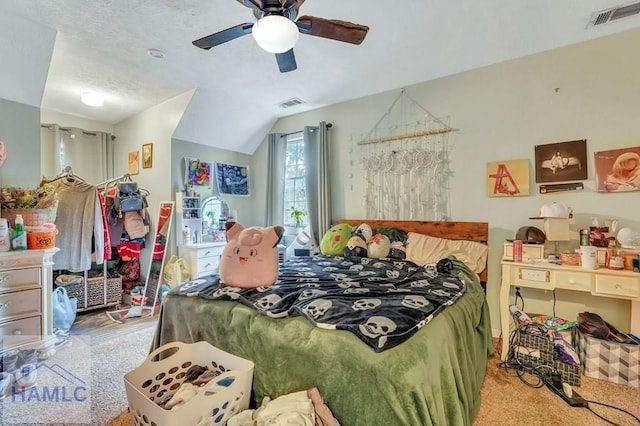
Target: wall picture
(232,180)
(618,170)
(198,173)
(562,161)
(508,178)
(147,155)
(134,162)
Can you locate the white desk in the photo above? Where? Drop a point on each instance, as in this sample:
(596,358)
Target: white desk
(600,282)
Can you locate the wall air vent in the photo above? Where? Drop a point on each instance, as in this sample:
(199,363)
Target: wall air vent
(290,103)
(614,13)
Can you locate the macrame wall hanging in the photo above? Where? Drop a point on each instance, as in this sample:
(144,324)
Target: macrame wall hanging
(405,163)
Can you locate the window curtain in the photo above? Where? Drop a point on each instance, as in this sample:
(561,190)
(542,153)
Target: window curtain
(89,154)
(275,180)
(316,158)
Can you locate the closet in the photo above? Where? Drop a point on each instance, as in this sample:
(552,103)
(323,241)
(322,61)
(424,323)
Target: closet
(90,239)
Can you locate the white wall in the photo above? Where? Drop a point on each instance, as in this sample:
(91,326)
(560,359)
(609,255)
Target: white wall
(502,112)
(65,120)
(20,130)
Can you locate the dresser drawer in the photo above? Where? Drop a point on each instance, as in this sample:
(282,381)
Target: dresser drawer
(209,252)
(618,286)
(21,303)
(19,278)
(207,265)
(23,327)
(570,280)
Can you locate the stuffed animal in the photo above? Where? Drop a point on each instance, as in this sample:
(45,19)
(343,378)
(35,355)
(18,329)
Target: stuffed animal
(366,231)
(379,246)
(250,258)
(356,246)
(335,239)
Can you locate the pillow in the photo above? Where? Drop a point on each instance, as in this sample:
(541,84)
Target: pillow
(379,246)
(356,246)
(335,240)
(250,258)
(423,249)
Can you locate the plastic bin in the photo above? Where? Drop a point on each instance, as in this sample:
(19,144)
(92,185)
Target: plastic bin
(163,373)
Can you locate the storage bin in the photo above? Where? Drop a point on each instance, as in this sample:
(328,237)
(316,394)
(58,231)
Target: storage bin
(95,290)
(41,240)
(163,373)
(611,361)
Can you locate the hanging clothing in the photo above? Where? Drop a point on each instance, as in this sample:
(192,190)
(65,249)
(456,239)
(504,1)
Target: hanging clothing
(79,221)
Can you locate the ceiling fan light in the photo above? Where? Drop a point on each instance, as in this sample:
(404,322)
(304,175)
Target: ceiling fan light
(275,33)
(92,99)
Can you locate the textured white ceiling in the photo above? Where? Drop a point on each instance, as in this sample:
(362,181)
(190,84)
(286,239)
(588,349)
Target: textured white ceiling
(52,50)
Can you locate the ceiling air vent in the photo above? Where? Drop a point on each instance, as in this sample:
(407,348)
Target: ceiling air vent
(290,103)
(615,13)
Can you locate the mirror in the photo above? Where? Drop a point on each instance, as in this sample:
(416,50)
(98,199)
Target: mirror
(212,210)
(154,273)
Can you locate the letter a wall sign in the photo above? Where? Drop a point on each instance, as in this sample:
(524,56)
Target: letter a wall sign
(508,178)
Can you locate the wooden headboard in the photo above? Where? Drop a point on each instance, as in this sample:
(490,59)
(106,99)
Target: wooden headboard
(470,231)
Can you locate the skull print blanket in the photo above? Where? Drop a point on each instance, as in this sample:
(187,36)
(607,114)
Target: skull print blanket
(382,301)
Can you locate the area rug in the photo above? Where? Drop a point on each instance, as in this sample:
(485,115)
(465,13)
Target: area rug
(94,368)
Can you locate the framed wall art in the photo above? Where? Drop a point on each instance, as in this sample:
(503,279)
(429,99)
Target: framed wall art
(232,180)
(562,161)
(134,162)
(147,155)
(198,173)
(618,170)
(509,178)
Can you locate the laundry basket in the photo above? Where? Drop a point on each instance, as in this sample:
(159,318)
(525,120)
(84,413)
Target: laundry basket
(163,373)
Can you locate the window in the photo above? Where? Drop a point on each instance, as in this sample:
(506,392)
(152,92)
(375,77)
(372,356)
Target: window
(295,190)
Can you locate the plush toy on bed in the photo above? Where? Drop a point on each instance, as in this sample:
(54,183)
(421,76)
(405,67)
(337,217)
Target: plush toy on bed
(335,239)
(356,246)
(250,258)
(379,246)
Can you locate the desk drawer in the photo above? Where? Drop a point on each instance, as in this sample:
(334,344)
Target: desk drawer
(19,278)
(207,265)
(615,286)
(22,303)
(570,280)
(532,277)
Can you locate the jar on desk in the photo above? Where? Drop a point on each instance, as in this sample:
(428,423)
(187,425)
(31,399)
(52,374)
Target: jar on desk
(614,258)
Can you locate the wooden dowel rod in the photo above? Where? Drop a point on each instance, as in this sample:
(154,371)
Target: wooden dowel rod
(406,136)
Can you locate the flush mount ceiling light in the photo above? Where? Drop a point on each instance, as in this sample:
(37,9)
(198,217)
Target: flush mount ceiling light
(275,33)
(92,99)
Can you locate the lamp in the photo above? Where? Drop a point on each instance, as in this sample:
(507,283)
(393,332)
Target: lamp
(275,33)
(556,229)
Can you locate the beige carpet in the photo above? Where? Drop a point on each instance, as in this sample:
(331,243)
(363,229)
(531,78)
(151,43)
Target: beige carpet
(508,401)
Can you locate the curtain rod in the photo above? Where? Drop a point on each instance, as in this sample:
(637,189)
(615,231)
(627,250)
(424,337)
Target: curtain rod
(284,135)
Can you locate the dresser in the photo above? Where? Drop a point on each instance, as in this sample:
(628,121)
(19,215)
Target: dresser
(202,258)
(541,275)
(25,297)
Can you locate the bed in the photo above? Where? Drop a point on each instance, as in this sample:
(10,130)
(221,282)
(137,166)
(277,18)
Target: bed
(433,376)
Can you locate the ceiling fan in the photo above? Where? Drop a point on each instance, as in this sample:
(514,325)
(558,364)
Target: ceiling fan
(277,30)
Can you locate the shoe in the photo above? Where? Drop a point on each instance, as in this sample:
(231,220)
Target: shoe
(619,336)
(9,362)
(593,325)
(25,378)
(6,383)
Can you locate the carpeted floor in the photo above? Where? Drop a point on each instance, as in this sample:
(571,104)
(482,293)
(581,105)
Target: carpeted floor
(96,356)
(506,400)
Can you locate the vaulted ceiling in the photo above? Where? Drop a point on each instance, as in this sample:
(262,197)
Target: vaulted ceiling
(52,50)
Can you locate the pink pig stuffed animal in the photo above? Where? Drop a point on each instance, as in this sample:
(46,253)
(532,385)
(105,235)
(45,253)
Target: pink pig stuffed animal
(250,258)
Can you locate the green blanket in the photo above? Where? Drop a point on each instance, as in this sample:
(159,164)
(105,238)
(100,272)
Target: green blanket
(432,378)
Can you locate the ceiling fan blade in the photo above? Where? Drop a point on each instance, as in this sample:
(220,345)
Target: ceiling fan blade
(286,61)
(223,36)
(334,29)
(251,4)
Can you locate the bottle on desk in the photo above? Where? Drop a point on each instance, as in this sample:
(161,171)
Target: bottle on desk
(517,250)
(5,240)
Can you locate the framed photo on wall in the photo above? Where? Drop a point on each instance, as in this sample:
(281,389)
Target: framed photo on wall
(508,178)
(147,155)
(232,179)
(197,173)
(562,161)
(618,170)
